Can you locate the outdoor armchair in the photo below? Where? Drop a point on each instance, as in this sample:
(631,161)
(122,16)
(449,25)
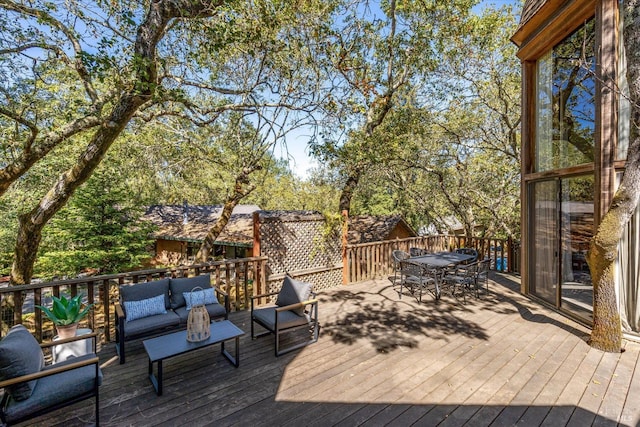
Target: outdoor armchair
(295,308)
(32,389)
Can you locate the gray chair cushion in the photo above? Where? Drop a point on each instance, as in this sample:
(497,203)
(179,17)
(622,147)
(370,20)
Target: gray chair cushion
(214,310)
(292,292)
(56,389)
(145,290)
(186,284)
(151,323)
(20,354)
(286,319)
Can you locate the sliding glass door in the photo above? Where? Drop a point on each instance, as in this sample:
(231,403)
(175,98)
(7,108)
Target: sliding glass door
(562,226)
(545,235)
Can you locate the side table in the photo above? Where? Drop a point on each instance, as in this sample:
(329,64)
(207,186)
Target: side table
(65,351)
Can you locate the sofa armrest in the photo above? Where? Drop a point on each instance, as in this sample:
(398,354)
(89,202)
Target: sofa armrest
(225,297)
(119,310)
(50,371)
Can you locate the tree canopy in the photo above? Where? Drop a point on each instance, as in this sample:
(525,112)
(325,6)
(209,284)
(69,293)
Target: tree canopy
(173,100)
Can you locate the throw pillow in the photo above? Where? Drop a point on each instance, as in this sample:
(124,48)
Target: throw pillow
(144,290)
(206,296)
(292,292)
(20,354)
(144,308)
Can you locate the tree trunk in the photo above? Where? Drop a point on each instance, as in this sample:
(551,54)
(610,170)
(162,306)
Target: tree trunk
(241,190)
(607,329)
(32,223)
(347,191)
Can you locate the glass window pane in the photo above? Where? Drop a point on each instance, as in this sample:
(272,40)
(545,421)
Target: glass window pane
(565,102)
(576,231)
(624,106)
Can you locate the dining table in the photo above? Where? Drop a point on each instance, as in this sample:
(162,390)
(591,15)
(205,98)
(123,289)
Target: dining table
(437,262)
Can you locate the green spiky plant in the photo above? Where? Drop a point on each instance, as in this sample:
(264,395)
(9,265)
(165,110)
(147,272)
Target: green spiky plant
(65,311)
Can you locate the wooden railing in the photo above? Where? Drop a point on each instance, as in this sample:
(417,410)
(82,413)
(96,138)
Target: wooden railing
(369,261)
(240,278)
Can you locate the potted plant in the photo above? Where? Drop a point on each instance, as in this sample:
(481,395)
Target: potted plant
(65,314)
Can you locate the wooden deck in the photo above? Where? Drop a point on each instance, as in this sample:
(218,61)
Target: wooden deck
(501,360)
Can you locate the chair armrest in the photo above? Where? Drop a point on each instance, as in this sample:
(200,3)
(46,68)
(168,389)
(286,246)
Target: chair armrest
(255,297)
(66,340)
(270,294)
(297,305)
(49,372)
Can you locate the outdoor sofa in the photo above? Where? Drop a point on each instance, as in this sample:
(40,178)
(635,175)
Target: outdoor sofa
(151,308)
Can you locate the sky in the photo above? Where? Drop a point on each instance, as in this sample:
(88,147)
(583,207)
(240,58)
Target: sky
(296,149)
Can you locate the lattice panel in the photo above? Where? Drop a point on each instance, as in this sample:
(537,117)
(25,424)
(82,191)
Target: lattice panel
(321,280)
(295,243)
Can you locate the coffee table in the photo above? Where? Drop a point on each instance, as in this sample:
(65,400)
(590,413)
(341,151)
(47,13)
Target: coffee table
(166,346)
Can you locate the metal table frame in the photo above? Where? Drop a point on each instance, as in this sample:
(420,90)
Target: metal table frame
(170,345)
(439,261)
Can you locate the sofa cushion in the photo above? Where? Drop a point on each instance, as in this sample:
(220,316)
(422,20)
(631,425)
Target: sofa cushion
(144,308)
(292,292)
(20,354)
(145,290)
(185,284)
(56,389)
(151,324)
(204,296)
(214,310)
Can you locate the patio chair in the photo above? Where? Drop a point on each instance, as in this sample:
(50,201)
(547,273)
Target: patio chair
(417,279)
(469,251)
(461,279)
(481,276)
(32,389)
(396,279)
(416,251)
(295,309)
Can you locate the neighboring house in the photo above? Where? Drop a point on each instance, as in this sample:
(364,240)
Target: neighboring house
(448,225)
(575,136)
(376,228)
(182,228)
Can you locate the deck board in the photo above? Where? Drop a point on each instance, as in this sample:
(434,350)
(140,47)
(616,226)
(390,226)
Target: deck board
(499,360)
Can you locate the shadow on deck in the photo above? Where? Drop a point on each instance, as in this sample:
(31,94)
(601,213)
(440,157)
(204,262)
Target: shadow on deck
(498,360)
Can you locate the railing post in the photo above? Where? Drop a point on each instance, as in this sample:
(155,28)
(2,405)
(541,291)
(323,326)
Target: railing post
(343,241)
(37,315)
(106,303)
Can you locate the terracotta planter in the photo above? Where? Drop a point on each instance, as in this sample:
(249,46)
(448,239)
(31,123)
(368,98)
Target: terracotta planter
(67,331)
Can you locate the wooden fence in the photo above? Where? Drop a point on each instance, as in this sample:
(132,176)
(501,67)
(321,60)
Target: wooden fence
(240,278)
(369,261)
